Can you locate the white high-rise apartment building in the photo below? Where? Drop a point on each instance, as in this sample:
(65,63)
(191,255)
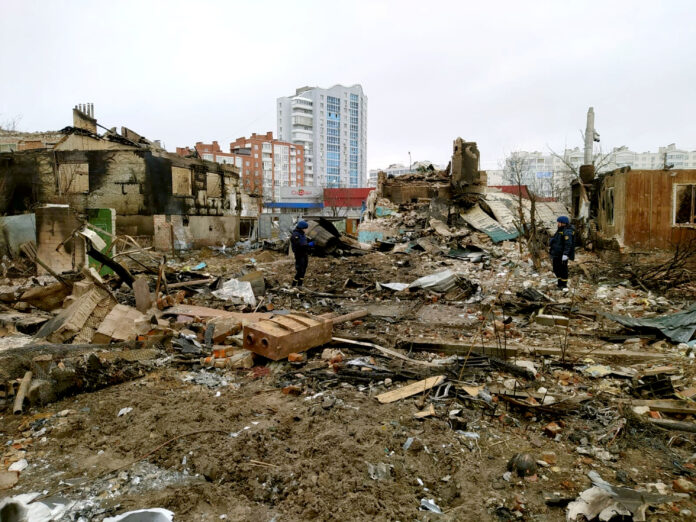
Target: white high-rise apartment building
(545,172)
(332,126)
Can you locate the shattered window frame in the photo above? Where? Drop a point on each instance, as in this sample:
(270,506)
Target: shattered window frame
(680,202)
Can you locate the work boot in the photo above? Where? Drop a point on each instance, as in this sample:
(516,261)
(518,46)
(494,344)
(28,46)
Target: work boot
(294,283)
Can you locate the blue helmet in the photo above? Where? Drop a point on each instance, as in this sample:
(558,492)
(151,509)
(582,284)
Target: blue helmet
(303,224)
(564,220)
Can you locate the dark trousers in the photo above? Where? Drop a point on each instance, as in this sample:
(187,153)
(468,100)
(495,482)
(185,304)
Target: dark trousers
(560,269)
(301,262)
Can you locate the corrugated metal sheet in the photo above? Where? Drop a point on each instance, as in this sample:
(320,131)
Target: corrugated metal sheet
(478,219)
(502,209)
(547,212)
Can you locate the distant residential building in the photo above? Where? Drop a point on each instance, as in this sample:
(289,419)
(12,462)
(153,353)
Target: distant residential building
(331,124)
(546,172)
(397,169)
(265,163)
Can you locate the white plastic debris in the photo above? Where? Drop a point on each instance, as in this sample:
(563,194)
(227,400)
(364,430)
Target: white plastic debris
(20,465)
(430,505)
(397,287)
(234,289)
(144,515)
(124,411)
(439,282)
(19,509)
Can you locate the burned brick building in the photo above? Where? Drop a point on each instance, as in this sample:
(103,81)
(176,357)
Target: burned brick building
(180,202)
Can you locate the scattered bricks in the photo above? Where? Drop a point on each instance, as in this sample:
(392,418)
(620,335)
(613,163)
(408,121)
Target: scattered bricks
(549,457)
(292,390)
(683,485)
(296,357)
(552,429)
(224,328)
(167,301)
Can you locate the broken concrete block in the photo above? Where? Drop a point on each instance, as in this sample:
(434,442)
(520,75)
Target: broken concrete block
(224,327)
(551,320)
(143,298)
(8,479)
(46,298)
(40,392)
(120,325)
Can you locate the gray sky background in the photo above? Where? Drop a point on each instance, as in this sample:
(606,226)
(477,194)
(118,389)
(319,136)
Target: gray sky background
(510,75)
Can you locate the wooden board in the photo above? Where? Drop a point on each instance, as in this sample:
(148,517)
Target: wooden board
(665,405)
(512,350)
(205,313)
(410,389)
(428,411)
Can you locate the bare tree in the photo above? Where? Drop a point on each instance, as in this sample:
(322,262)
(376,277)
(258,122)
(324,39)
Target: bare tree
(10,124)
(518,172)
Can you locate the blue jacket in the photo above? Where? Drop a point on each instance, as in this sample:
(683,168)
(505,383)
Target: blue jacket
(563,242)
(299,243)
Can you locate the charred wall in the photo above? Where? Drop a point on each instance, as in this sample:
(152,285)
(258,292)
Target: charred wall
(133,182)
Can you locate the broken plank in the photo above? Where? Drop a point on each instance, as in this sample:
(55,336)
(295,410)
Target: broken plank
(205,313)
(409,390)
(463,347)
(665,405)
(428,411)
(674,425)
(386,351)
(195,282)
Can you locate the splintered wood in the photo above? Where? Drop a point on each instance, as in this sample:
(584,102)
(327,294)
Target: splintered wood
(411,389)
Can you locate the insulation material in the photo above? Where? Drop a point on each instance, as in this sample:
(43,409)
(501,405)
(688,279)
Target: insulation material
(478,219)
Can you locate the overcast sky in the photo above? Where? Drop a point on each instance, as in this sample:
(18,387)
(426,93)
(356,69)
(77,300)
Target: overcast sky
(509,75)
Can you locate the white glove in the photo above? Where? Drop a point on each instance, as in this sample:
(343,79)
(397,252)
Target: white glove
(564,258)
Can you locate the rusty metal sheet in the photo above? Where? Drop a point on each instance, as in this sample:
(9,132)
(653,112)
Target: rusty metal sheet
(279,336)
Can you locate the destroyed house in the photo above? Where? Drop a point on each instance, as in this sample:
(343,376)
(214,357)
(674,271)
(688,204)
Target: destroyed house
(643,209)
(189,202)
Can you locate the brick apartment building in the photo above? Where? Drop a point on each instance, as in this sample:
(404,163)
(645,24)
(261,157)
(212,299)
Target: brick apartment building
(265,164)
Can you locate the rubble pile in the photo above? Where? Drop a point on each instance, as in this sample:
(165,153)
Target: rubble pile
(426,369)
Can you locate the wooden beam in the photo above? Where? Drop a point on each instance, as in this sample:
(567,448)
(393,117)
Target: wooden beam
(665,405)
(512,350)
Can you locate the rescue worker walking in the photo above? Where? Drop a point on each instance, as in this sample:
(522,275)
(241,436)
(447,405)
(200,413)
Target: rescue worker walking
(300,247)
(562,249)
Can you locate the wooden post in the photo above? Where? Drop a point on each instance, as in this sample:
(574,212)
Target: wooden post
(22,393)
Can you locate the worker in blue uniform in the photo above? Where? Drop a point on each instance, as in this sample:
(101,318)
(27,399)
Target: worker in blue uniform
(562,249)
(300,247)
